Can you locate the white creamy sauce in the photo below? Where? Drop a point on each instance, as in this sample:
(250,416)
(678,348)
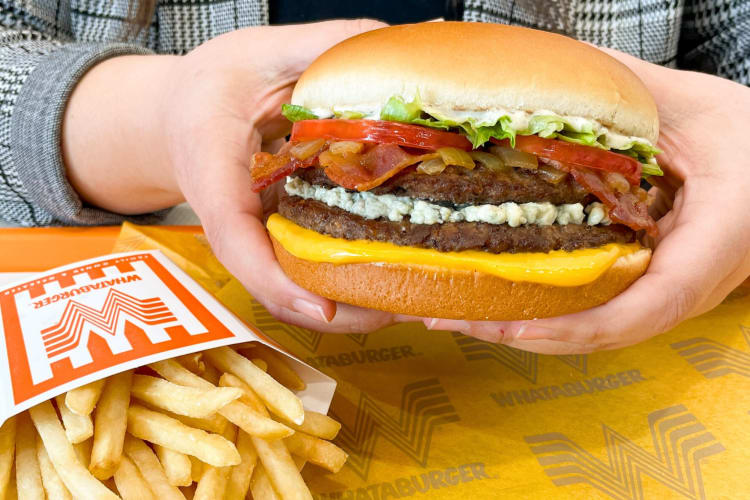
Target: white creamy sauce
(395,208)
(519,121)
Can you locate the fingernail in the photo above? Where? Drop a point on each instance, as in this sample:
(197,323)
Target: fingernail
(431,324)
(531,331)
(314,311)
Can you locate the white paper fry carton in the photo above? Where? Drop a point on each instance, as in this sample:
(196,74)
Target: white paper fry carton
(75,324)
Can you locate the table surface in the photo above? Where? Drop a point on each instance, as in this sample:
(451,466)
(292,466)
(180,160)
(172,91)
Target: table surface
(38,249)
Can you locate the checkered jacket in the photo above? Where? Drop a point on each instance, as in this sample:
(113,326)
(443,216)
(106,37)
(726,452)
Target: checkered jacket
(47,45)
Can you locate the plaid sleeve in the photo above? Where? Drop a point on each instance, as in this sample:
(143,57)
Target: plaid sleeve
(715,38)
(39,66)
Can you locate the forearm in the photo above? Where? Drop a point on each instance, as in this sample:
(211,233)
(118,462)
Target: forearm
(113,140)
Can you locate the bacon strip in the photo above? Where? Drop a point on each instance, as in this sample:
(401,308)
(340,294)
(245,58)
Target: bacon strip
(267,168)
(353,171)
(625,208)
(368,170)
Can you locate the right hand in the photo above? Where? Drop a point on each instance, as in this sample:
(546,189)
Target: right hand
(224,105)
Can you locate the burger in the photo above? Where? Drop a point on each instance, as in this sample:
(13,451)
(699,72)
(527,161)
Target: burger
(464,170)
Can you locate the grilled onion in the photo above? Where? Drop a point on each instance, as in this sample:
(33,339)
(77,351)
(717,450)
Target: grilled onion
(346,147)
(617,182)
(488,160)
(304,150)
(431,167)
(551,174)
(515,158)
(455,156)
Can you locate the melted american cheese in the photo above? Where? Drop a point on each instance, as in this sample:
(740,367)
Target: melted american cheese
(558,268)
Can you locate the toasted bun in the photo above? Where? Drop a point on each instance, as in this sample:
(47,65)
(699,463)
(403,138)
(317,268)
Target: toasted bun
(439,292)
(480,67)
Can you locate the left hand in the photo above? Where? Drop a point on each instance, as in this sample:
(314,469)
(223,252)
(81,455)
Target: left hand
(703,249)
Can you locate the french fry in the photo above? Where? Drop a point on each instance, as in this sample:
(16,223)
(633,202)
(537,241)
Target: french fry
(239,479)
(12,492)
(110,422)
(281,469)
(7,455)
(260,364)
(278,368)
(215,423)
(151,470)
(52,483)
(316,451)
(182,400)
(213,482)
(28,473)
(278,464)
(83,451)
(196,468)
(318,425)
(160,429)
(78,428)
(255,424)
(78,480)
(278,398)
(193,362)
(261,485)
(130,484)
(238,413)
(248,396)
(176,466)
(82,400)
(211,374)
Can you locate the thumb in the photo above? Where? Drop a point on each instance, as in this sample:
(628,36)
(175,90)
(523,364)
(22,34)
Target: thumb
(296,46)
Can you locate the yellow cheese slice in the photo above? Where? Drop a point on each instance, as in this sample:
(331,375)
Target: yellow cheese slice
(558,267)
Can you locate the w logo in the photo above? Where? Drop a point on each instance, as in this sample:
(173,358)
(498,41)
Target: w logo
(714,359)
(424,406)
(523,363)
(681,442)
(78,320)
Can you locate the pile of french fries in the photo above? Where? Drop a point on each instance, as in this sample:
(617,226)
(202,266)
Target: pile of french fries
(220,424)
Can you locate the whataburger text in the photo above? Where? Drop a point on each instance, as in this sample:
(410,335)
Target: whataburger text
(85,289)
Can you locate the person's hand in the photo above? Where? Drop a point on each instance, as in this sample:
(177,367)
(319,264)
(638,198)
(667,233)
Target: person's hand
(224,106)
(703,249)
(142,132)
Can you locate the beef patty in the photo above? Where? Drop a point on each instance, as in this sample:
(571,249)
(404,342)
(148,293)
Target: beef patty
(458,185)
(451,236)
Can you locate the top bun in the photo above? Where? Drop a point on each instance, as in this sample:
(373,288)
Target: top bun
(480,67)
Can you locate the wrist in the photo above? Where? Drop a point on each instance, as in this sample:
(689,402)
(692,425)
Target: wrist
(113,139)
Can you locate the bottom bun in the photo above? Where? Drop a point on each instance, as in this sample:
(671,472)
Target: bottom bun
(439,292)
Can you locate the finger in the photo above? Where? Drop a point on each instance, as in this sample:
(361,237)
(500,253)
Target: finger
(683,272)
(348,319)
(489,331)
(734,280)
(300,44)
(232,217)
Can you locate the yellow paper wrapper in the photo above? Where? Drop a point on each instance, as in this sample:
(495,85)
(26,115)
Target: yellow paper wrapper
(441,415)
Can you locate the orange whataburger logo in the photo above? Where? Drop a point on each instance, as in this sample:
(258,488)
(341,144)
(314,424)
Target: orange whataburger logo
(78,320)
(86,319)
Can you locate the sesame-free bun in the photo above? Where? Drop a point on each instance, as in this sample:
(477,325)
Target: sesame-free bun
(480,67)
(440,292)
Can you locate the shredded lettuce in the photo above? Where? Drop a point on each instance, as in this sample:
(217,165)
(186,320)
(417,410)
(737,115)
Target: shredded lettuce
(349,115)
(295,113)
(547,126)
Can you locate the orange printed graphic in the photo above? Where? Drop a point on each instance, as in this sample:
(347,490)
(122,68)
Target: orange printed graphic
(95,317)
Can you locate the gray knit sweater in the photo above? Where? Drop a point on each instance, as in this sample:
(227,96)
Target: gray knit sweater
(47,45)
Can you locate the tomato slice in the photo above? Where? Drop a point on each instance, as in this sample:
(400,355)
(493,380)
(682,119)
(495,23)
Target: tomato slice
(578,155)
(380,132)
